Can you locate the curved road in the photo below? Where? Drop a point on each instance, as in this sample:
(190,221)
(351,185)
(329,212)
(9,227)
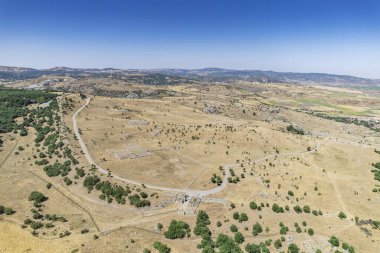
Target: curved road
(191,193)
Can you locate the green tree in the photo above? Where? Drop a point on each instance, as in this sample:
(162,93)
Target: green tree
(306,209)
(239,238)
(276,208)
(277,244)
(293,248)
(233,228)
(334,241)
(253,205)
(298,209)
(243,217)
(37,197)
(256,229)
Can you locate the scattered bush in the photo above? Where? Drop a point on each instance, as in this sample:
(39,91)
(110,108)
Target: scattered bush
(342,215)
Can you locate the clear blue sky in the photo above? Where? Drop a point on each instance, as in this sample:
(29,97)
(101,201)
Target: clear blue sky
(334,36)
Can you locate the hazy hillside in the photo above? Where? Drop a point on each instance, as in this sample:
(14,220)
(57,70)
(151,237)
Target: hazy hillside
(175,76)
(218,74)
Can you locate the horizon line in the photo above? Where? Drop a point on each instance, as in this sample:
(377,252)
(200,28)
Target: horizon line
(173,68)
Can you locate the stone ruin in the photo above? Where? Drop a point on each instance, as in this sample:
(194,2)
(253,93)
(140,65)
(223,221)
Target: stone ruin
(211,110)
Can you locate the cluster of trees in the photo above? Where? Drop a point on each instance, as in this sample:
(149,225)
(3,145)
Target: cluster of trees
(349,120)
(54,217)
(216,180)
(33,224)
(67,153)
(137,201)
(38,198)
(109,190)
(195,137)
(310,231)
(66,233)
(43,119)
(58,169)
(177,230)
(262,247)
(234,180)
(162,248)
(258,248)
(202,229)
(335,242)
(254,206)
(13,104)
(90,181)
(113,191)
(298,228)
(240,217)
(277,209)
(307,209)
(348,247)
(80,172)
(226,244)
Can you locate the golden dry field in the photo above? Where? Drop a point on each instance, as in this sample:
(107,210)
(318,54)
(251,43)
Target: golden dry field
(219,148)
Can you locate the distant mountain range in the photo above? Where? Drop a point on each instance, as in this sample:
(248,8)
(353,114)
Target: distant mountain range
(219,74)
(191,75)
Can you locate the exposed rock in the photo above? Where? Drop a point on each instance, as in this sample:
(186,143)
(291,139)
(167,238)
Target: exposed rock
(211,110)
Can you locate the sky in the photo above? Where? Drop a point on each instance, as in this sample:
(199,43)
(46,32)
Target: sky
(330,36)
